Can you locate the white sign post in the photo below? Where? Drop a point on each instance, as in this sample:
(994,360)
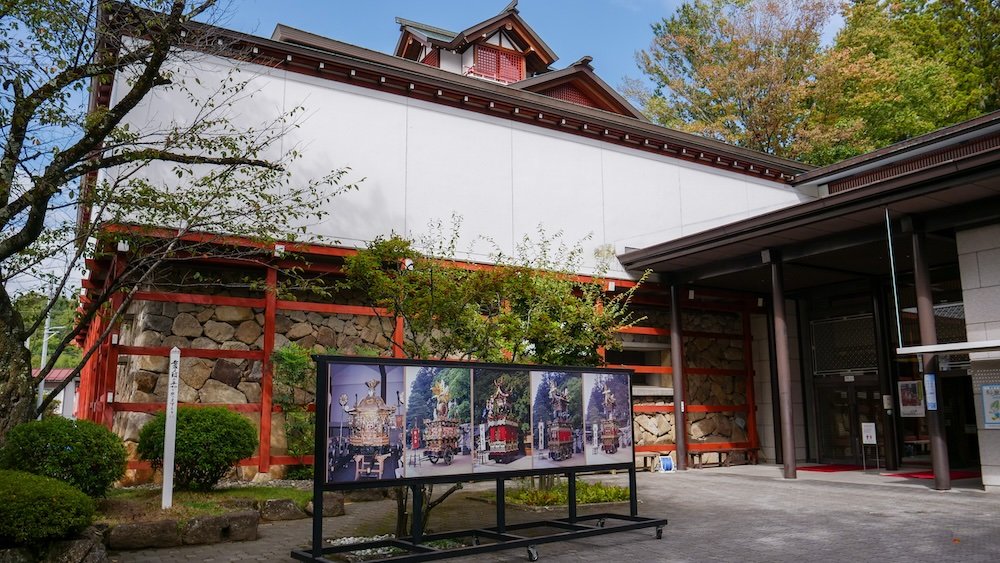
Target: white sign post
(170,432)
(869,437)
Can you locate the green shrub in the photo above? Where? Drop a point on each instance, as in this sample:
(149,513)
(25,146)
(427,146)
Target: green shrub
(586,493)
(36,509)
(84,454)
(209,443)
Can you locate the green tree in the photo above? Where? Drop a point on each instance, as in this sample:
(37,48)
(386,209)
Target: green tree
(63,313)
(735,70)
(882,82)
(210,175)
(530,307)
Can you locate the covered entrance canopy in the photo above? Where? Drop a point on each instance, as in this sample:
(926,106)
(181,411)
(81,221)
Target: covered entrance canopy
(931,187)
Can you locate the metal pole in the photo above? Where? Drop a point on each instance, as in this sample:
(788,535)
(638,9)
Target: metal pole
(928,336)
(783,364)
(45,357)
(677,367)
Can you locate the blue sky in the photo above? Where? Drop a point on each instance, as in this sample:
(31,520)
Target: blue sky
(611,31)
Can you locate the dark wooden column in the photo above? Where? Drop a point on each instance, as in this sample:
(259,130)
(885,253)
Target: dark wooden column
(928,336)
(890,436)
(781,359)
(677,368)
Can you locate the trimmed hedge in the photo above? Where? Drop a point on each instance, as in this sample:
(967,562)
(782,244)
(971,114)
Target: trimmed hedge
(35,509)
(84,454)
(209,442)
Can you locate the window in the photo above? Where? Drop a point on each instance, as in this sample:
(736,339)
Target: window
(496,64)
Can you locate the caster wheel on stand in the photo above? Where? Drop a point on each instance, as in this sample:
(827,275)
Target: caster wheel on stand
(532,553)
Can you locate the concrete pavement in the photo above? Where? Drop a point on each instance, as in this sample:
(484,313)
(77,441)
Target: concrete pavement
(746,513)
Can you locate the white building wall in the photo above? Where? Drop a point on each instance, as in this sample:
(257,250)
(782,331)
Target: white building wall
(416,161)
(979,266)
(451,61)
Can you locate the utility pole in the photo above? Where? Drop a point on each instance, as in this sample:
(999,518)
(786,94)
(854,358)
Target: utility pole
(47,333)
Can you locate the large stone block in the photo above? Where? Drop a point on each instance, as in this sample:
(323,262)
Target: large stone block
(186,324)
(248,331)
(281,509)
(157,364)
(185,393)
(204,343)
(236,526)
(228,313)
(145,381)
(333,504)
(148,338)
(142,535)
(251,390)
(298,330)
(227,372)
(195,371)
(219,332)
(157,323)
(217,392)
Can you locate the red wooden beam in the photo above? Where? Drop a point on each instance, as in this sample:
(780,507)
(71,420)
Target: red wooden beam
(267,382)
(652,408)
(163,351)
(644,369)
(653,331)
(331,308)
(292,460)
(397,339)
(715,446)
(656,448)
(199,299)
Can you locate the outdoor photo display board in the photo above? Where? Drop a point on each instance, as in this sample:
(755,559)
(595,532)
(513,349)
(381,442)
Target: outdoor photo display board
(405,421)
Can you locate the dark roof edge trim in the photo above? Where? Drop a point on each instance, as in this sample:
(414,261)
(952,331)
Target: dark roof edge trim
(903,149)
(294,41)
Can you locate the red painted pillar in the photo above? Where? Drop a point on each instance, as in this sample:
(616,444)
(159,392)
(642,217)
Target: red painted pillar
(266,382)
(748,362)
(397,339)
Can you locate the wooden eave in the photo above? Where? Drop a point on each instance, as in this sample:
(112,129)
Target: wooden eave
(537,54)
(581,75)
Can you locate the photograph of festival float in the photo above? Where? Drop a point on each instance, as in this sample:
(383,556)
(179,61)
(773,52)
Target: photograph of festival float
(502,417)
(608,428)
(438,421)
(365,431)
(557,419)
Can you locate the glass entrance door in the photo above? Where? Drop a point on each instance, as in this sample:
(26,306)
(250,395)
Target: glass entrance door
(841,408)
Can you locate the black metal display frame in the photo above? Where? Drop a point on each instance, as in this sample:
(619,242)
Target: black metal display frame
(499,537)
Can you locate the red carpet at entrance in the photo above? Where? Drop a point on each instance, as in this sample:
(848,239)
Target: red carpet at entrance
(831,468)
(955,475)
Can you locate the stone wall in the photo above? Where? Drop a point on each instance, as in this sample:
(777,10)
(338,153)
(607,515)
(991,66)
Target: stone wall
(653,429)
(143,379)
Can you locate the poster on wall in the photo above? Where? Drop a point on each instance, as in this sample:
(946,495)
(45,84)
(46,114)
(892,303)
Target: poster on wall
(607,411)
(911,399)
(437,437)
(991,405)
(502,412)
(364,434)
(388,419)
(557,419)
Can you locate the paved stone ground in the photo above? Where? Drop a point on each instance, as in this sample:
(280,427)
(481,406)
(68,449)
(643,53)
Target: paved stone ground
(732,514)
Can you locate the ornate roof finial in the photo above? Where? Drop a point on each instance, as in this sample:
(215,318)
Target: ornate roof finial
(512,7)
